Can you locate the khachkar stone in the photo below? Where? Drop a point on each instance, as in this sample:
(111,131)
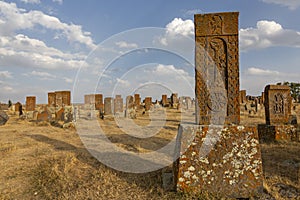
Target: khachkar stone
(277,101)
(130,111)
(164,100)
(277,104)
(63,98)
(118,104)
(108,106)
(95,99)
(217,68)
(174,100)
(148,103)
(137,100)
(224,160)
(51,99)
(30,103)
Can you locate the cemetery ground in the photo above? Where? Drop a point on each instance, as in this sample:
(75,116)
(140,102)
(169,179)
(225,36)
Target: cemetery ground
(40,161)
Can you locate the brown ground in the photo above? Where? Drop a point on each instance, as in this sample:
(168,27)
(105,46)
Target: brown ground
(40,161)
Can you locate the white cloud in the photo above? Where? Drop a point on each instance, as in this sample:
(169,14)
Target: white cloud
(291,4)
(31,1)
(254,79)
(123,83)
(261,72)
(68,80)
(268,34)
(23,51)
(58,1)
(13,19)
(123,44)
(5,74)
(182,27)
(169,70)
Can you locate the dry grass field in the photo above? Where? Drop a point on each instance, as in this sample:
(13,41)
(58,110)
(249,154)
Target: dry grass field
(40,161)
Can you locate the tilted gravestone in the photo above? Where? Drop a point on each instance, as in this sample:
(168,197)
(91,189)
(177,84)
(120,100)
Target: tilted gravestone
(3,118)
(218,155)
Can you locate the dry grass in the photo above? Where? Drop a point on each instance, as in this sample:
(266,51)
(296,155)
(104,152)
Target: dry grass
(39,161)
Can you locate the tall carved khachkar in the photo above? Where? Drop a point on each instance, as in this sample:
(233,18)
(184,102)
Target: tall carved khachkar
(217,68)
(218,155)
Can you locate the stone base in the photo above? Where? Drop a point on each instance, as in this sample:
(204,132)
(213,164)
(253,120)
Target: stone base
(225,161)
(271,133)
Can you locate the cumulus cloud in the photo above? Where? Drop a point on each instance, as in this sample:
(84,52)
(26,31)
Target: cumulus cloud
(291,4)
(13,19)
(268,34)
(169,70)
(261,72)
(182,27)
(5,74)
(31,1)
(123,44)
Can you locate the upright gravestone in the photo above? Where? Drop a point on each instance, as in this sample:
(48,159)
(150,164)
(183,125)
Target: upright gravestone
(51,99)
(148,103)
(118,104)
(164,100)
(130,111)
(217,68)
(63,98)
(174,100)
(108,106)
(137,100)
(218,155)
(30,103)
(98,101)
(277,102)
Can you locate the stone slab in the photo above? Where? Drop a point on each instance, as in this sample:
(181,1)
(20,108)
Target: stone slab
(222,160)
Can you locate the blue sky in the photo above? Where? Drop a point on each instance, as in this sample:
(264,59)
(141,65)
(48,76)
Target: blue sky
(70,45)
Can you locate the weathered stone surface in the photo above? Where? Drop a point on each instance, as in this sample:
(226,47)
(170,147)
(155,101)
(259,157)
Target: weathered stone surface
(43,116)
(59,115)
(18,107)
(221,160)
(271,133)
(63,98)
(164,100)
(51,99)
(30,103)
(277,104)
(243,96)
(137,100)
(108,106)
(217,68)
(174,100)
(118,104)
(95,99)
(3,118)
(148,103)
